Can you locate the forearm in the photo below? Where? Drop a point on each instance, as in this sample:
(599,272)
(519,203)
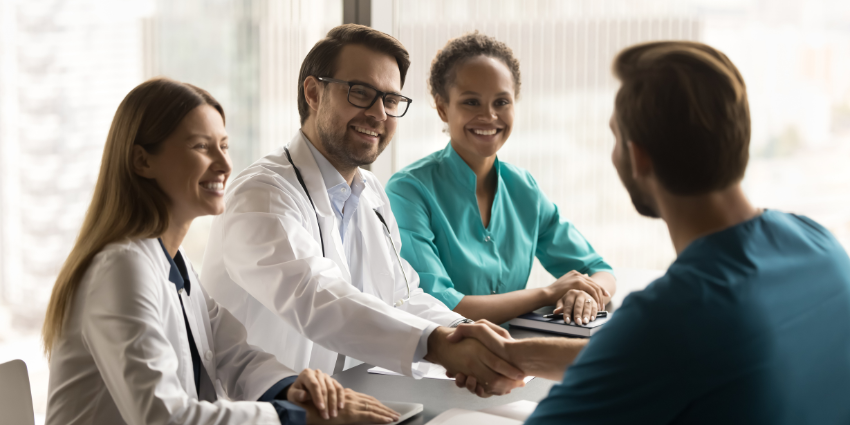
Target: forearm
(545,357)
(607,281)
(500,308)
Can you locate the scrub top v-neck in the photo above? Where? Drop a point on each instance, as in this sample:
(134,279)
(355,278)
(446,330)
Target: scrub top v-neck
(445,241)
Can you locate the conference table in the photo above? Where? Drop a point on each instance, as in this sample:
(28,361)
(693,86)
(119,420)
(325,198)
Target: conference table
(439,395)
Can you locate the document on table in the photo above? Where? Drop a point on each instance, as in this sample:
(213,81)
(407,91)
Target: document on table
(427,370)
(509,414)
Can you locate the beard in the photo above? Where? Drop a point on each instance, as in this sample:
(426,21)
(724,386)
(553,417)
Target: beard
(642,202)
(342,148)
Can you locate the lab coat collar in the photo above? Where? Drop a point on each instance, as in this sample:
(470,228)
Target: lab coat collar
(463,173)
(303,159)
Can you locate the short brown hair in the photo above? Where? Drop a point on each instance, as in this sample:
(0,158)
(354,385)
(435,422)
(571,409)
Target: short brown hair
(685,103)
(321,61)
(459,50)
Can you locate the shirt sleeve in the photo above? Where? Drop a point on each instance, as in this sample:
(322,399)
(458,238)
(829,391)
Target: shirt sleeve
(560,246)
(288,413)
(410,207)
(630,372)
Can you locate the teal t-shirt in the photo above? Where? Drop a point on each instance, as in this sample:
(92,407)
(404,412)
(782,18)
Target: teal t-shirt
(749,325)
(443,238)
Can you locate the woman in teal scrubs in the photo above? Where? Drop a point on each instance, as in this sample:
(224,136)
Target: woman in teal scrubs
(470,224)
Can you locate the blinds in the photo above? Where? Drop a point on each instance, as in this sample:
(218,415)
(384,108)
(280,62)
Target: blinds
(561,126)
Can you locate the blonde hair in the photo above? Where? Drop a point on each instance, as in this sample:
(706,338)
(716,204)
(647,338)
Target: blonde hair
(124,205)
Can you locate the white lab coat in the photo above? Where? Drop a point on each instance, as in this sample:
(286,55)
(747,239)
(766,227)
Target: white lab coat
(264,263)
(124,357)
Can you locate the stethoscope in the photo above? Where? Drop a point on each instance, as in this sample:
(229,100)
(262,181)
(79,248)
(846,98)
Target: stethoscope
(398,303)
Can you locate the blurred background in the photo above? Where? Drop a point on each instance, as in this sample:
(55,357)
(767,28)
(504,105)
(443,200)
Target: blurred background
(65,65)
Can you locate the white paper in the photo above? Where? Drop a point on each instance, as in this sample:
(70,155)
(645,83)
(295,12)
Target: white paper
(470,417)
(519,410)
(428,370)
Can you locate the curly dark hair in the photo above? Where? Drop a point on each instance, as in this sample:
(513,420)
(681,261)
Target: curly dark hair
(461,49)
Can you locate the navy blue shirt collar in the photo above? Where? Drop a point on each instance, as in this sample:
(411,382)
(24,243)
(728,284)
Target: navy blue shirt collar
(179,274)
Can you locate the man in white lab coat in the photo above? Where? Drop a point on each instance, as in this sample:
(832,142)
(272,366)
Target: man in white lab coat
(305,255)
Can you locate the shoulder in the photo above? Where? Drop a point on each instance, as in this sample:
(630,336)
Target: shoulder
(518,179)
(128,264)
(425,172)
(272,170)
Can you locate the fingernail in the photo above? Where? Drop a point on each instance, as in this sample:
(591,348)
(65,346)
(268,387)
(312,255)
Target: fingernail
(567,319)
(325,415)
(585,319)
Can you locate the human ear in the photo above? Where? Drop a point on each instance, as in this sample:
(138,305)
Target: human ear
(141,163)
(312,92)
(441,108)
(641,163)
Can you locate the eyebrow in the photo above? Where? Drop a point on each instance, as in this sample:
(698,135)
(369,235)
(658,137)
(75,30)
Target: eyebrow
(504,93)
(373,87)
(203,136)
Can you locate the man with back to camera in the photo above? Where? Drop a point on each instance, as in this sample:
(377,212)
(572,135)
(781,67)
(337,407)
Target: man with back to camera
(305,254)
(751,323)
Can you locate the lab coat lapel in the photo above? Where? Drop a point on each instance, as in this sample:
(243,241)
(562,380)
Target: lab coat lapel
(303,159)
(379,273)
(178,339)
(199,322)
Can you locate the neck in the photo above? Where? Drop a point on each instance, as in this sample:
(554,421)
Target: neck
(689,218)
(485,177)
(346,171)
(173,236)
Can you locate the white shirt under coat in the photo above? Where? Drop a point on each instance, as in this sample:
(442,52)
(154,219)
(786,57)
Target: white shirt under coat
(124,355)
(264,263)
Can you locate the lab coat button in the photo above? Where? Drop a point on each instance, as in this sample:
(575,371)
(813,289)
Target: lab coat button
(208,355)
(487,238)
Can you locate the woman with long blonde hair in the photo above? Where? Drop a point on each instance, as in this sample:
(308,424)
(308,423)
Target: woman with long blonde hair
(131,334)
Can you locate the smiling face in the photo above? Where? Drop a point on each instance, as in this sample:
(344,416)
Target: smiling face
(351,136)
(480,107)
(191,166)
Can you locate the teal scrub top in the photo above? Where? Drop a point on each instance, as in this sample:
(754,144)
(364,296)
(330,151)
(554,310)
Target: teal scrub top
(750,325)
(443,238)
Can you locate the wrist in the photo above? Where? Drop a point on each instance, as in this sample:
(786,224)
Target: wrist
(547,296)
(436,341)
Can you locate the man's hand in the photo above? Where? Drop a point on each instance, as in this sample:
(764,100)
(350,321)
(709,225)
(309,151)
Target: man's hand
(578,296)
(544,357)
(359,409)
(471,358)
(325,394)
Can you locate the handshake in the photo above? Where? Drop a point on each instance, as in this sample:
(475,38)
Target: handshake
(485,359)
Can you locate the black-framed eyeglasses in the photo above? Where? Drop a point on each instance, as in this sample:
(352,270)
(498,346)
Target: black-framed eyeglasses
(363,96)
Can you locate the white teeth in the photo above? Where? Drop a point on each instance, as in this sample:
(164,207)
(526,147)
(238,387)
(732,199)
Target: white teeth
(485,132)
(213,185)
(365,131)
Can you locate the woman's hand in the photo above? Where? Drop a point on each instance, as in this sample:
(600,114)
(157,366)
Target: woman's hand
(359,409)
(327,395)
(578,296)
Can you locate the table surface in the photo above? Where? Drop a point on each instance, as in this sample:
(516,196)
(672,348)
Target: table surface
(437,395)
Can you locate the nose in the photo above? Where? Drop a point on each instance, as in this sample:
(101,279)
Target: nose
(221,162)
(488,113)
(377,110)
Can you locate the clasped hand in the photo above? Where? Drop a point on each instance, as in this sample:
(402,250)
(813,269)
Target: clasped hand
(327,402)
(578,296)
(495,339)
